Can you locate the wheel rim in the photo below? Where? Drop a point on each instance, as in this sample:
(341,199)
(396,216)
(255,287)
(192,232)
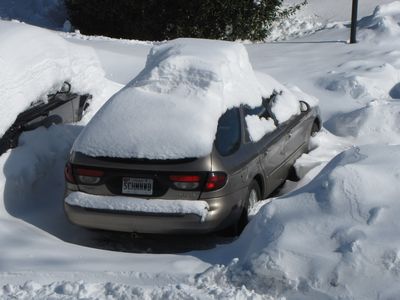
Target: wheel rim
(253,198)
(314,130)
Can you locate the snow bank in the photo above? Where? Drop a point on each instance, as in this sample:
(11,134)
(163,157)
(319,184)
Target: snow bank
(337,236)
(383,23)
(200,287)
(378,122)
(36,61)
(131,204)
(171,109)
(363,78)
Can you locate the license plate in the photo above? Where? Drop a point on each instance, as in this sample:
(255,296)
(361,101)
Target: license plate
(137,186)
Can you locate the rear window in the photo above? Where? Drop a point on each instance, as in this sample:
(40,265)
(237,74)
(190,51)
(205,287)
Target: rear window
(227,140)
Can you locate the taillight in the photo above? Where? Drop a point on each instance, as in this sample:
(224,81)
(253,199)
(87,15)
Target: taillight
(89,176)
(69,177)
(215,181)
(185,182)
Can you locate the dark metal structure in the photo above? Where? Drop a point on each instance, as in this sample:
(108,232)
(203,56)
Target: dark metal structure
(61,107)
(354,12)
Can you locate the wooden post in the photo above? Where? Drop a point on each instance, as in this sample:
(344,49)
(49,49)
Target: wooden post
(353,33)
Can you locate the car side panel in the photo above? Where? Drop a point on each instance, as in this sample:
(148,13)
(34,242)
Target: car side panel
(272,158)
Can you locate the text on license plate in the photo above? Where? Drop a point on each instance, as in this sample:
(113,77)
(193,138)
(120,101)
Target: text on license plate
(137,186)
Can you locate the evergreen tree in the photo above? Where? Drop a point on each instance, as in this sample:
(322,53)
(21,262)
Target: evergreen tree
(169,19)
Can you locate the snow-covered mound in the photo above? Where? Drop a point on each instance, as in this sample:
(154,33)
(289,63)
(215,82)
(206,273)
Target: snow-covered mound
(337,236)
(385,21)
(331,11)
(368,75)
(378,122)
(171,109)
(362,78)
(35,62)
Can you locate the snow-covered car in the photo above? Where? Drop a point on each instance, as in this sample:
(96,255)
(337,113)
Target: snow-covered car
(63,106)
(32,77)
(189,145)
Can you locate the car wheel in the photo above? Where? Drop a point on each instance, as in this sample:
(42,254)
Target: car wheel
(252,197)
(314,129)
(313,132)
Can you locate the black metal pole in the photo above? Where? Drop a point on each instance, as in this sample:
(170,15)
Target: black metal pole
(353,33)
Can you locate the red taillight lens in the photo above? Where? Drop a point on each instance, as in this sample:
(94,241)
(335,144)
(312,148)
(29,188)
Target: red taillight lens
(184,178)
(89,176)
(215,181)
(185,182)
(89,172)
(69,177)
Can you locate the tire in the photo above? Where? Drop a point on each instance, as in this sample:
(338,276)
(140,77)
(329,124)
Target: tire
(253,196)
(314,130)
(237,228)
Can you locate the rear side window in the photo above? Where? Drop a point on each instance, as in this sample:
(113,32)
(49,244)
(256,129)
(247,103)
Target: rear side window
(227,140)
(266,121)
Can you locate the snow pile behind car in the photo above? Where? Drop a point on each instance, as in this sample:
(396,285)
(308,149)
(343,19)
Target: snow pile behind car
(171,109)
(34,62)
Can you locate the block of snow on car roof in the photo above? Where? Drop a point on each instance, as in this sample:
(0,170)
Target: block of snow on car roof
(171,109)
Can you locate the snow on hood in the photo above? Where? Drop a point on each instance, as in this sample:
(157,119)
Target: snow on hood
(36,61)
(171,109)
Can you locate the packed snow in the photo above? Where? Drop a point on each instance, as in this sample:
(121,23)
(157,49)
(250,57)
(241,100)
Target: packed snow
(131,204)
(331,235)
(258,127)
(174,104)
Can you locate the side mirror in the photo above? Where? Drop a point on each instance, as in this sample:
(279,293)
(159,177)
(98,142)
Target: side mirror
(66,88)
(304,106)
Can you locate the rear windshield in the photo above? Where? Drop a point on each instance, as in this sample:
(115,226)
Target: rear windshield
(227,140)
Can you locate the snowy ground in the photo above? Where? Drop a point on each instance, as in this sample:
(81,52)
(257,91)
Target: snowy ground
(332,235)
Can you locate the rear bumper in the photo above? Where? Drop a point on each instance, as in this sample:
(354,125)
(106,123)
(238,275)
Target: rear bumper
(223,212)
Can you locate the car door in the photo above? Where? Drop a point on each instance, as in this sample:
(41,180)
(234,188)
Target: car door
(270,150)
(295,136)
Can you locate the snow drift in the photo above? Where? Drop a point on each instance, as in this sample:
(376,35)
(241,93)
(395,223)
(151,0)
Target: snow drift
(171,109)
(35,62)
(384,22)
(336,236)
(368,75)
(361,78)
(378,122)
